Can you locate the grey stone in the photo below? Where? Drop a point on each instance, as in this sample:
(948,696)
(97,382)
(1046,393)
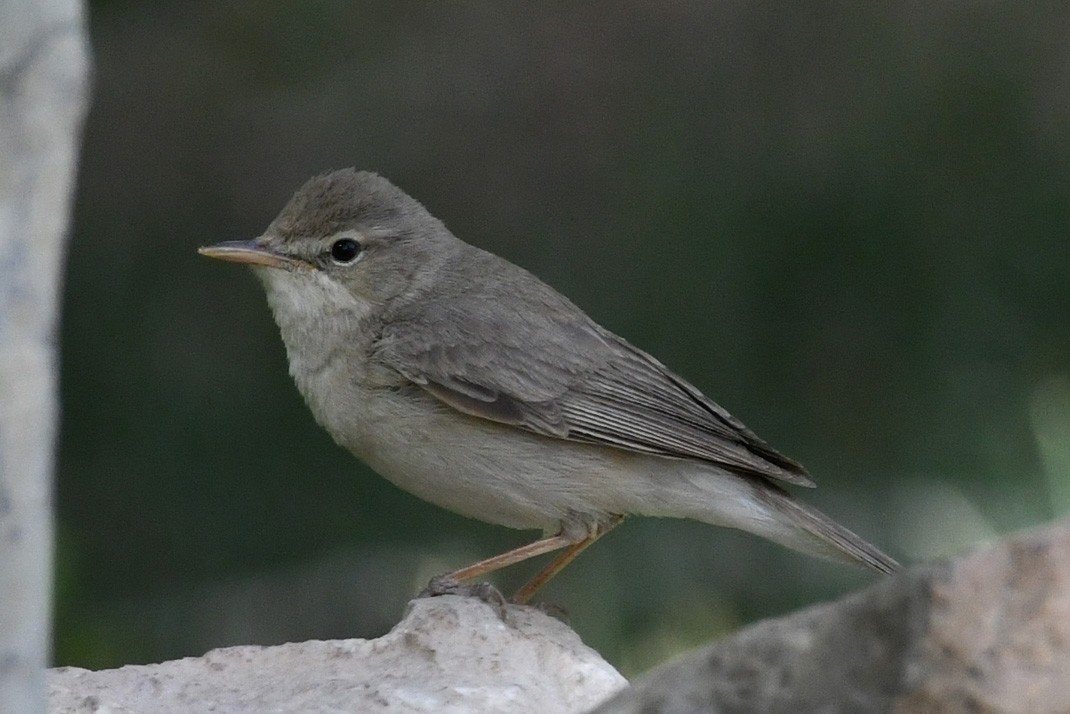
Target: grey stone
(987,632)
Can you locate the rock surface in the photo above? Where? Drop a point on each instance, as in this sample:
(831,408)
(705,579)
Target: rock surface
(449,654)
(987,632)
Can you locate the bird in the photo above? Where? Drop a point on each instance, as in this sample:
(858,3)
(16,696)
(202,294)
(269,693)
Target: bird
(469,382)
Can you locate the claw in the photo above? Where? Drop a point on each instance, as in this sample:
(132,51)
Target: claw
(447,585)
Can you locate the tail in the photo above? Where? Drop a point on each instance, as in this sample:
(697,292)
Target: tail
(751,504)
(806,529)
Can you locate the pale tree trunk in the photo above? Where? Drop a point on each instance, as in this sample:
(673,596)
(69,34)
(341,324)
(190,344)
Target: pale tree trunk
(43,91)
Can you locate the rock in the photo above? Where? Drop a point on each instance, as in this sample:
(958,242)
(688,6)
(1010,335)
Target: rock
(988,632)
(449,654)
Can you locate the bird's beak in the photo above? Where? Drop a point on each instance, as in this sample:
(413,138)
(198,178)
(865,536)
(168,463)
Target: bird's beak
(252,252)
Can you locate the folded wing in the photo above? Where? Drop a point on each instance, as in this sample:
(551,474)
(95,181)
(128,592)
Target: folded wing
(553,371)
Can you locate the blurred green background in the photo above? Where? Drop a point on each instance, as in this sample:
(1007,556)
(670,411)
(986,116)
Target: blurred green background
(848,223)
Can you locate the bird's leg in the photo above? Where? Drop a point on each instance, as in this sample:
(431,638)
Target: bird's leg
(504,560)
(452,583)
(567,556)
(566,538)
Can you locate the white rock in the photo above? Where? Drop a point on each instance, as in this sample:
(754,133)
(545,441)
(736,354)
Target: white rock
(449,654)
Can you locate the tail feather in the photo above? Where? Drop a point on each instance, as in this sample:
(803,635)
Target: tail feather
(755,505)
(820,535)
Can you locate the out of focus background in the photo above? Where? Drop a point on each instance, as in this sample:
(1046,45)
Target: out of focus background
(847,223)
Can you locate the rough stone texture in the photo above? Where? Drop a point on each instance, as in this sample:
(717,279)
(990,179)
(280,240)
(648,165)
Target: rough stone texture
(449,654)
(988,632)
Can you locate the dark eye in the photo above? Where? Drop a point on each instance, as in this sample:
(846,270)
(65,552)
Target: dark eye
(345,250)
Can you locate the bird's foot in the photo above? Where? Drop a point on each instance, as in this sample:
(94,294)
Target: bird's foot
(445,585)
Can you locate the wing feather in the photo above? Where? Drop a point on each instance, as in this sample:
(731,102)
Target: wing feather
(537,362)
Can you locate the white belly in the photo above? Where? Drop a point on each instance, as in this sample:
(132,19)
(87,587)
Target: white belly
(495,473)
